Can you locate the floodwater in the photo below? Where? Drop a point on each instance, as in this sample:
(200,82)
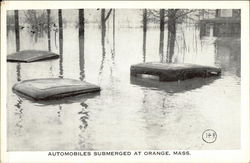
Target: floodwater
(129,113)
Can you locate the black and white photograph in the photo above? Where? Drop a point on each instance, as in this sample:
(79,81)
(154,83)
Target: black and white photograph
(121,79)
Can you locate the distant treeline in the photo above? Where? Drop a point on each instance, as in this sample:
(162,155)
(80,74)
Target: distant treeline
(39,17)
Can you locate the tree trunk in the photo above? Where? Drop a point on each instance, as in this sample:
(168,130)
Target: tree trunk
(113,54)
(162,27)
(104,18)
(103,26)
(81,23)
(60,42)
(48,27)
(172,41)
(144,33)
(17,30)
(81,44)
(36,22)
(171,35)
(217,13)
(103,29)
(60,30)
(18,66)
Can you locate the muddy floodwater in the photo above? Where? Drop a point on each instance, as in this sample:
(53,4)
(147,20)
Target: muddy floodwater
(129,113)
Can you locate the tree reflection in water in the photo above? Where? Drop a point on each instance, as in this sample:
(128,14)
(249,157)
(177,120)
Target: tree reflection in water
(19,115)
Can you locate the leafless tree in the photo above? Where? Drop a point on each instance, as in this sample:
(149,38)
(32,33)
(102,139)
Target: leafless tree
(104,18)
(170,17)
(81,44)
(145,22)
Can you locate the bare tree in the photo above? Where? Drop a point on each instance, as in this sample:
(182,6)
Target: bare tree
(36,19)
(81,44)
(170,17)
(60,42)
(17,30)
(48,26)
(104,19)
(18,66)
(145,21)
(162,27)
(171,33)
(113,52)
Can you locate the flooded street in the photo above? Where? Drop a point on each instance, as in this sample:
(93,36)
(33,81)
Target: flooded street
(129,113)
